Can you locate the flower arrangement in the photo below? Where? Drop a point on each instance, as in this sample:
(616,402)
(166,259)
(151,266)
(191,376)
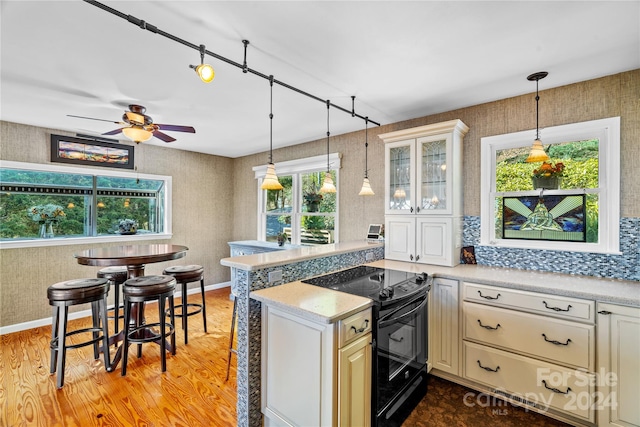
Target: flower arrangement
(46,214)
(548,169)
(128,226)
(312,197)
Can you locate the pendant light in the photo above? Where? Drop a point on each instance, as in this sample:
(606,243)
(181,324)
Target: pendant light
(270,181)
(537,153)
(204,71)
(327,185)
(366,186)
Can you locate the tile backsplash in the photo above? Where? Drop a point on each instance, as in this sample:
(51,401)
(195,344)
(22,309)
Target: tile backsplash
(625,266)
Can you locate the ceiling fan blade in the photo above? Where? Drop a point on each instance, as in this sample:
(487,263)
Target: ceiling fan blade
(163,136)
(176,128)
(113,132)
(93,118)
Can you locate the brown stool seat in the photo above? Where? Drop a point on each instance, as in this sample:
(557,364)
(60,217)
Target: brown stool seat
(185,274)
(116,275)
(137,291)
(73,292)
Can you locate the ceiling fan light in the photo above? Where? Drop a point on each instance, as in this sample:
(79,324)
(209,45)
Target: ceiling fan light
(206,73)
(537,153)
(270,181)
(366,188)
(327,184)
(137,134)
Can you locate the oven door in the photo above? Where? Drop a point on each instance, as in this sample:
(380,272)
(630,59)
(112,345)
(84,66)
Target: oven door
(401,353)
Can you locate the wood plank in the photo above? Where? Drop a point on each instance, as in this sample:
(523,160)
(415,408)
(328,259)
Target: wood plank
(192,392)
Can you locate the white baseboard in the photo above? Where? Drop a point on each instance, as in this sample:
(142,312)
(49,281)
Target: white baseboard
(86,313)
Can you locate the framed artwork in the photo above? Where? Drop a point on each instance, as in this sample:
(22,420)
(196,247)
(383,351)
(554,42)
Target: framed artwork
(91,152)
(544,218)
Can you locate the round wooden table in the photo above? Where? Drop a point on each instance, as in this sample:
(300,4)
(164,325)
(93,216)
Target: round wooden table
(133,256)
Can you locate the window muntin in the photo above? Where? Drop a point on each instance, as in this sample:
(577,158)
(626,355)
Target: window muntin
(596,176)
(290,210)
(93,203)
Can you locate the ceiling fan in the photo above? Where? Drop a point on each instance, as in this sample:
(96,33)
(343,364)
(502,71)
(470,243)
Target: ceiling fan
(140,127)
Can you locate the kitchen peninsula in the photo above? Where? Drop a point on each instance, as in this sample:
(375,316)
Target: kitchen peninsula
(264,270)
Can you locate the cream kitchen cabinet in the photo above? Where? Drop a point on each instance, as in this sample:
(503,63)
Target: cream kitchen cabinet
(423,193)
(618,376)
(444,331)
(530,347)
(315,373)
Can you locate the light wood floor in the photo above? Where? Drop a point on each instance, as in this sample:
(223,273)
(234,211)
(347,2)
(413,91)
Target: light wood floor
(192,392)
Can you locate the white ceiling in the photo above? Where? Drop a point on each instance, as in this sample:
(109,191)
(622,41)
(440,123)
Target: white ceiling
(400,59)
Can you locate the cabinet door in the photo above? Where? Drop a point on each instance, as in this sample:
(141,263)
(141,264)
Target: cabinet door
(619,359)
(399,177)
(400,243)
(433,174)
(354,383)
(434,241)
(444,326)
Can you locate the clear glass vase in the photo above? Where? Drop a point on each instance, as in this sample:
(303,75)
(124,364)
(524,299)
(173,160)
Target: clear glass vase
(46,230)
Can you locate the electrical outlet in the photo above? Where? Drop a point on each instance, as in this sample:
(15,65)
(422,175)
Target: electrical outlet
(368,256)
(275,276)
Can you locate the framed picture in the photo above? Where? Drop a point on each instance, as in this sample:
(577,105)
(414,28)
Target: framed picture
(544,218)
(91,152)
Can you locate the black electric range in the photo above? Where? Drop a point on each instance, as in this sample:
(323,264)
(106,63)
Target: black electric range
(399,333)
(382,285)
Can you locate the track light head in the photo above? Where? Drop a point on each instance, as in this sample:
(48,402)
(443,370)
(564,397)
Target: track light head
(204,71)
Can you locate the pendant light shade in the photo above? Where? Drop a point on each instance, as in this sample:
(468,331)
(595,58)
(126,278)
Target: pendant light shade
(327,185)
(366,186)
(537,153)
(270,181)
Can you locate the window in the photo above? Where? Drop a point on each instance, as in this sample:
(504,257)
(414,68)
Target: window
(590,186)
(43,205)
(299,210)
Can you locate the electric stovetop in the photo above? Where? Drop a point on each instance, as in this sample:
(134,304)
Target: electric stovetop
(379,284)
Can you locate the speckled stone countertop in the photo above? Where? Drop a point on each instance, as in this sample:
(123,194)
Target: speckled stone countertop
(615,291)
(273,259)
(312,302)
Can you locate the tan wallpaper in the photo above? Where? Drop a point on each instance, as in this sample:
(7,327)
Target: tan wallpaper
(207,213)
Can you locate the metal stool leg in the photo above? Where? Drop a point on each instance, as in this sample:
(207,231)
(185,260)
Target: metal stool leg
(204,305)
(54,337)
(62,350)
(233,328)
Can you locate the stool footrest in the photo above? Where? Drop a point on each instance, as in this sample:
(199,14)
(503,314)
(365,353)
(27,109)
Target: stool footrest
(148,335)
(54,342)
(189,313)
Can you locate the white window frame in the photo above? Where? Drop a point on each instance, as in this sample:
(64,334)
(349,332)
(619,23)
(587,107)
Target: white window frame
(167,234)
(608,133)
(297,167)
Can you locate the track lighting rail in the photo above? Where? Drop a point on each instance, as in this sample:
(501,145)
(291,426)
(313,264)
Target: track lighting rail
(146,26)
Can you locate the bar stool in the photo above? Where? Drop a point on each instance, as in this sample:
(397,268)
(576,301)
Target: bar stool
(234,292)
(61,296)
(137,291)
(185,274)
(116,277)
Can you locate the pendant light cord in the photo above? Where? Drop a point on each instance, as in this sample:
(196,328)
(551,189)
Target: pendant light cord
(366,147)
(328,133)
(537,121)
(271,120)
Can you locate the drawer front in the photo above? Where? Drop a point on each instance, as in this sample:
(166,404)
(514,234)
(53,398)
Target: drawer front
(544,384)
(556,340)
(550,305)
(354,327)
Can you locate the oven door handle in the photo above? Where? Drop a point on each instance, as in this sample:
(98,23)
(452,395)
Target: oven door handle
(384,322)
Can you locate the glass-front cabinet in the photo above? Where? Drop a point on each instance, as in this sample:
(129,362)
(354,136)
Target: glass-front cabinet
(423,193)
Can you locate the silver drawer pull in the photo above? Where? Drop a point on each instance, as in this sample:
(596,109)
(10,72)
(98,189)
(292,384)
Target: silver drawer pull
(556,342)
(357,331)
(396,339)
(488,296)
(489,369)
(555,390)
(487,326)
(556,308)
